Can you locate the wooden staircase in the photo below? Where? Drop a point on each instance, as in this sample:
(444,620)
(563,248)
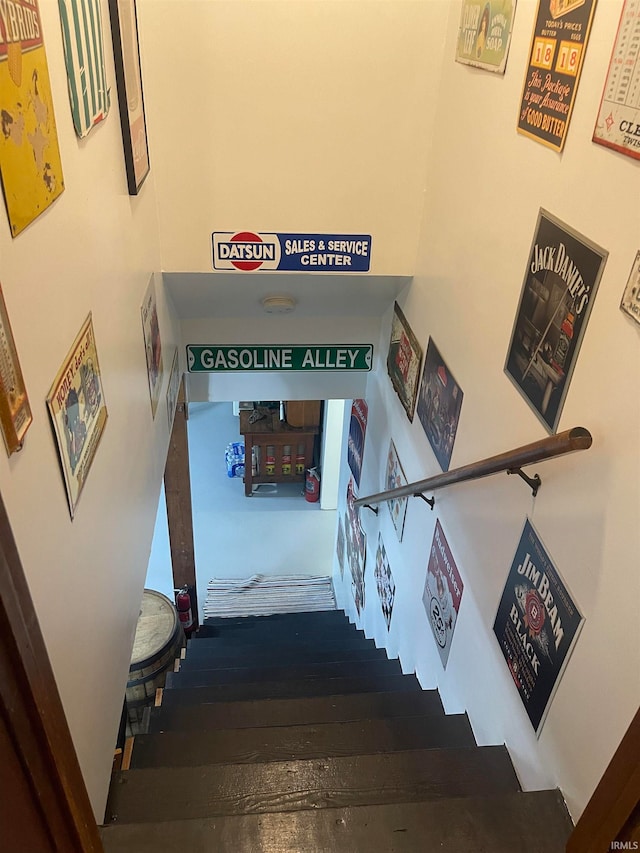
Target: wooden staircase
(294,734)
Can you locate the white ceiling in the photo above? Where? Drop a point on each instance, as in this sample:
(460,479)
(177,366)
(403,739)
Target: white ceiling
(207,294)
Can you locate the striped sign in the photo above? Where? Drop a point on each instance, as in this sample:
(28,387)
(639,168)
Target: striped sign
(84,57)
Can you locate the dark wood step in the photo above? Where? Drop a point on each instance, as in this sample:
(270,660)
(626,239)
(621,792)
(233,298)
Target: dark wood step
(322,640)
(283,633)
(281,656)
(298,672)
(268,627)
(289,689)
(281,743)
(152,794)
(535,822)
(312,616)
(293,712)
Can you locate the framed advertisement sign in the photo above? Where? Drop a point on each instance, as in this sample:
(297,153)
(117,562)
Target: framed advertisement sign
(630,303)
(442,594)
(152,345)
(395,479)
(439,404)
(384,582)
(126,54)
(356,547)
(618,122)
(355,441)
(15,411)
(537,625)
(30,163)
(558,46)
(485,33)
(81,22)
(78,411)
(561,279)
(403,361)
(173,387)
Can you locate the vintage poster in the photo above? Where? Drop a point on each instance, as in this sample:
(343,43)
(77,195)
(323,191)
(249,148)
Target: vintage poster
(395,479)
(559,42)
(81,22)
(442,593)
(356,547)
(173,387)
(618,122)
(560,283)
(29,155)
(15,411)
(78,411)
(485,33)
(152,344)
(126,55)
(631,297)
(537,625)
(340,546)
(384,582)
(404,360)
(439,404)
(355,442)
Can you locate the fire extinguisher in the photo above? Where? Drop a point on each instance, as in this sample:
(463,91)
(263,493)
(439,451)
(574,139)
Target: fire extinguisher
(312,485)
(183,606)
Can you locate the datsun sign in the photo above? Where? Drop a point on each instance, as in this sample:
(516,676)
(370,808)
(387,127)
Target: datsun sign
(247,251)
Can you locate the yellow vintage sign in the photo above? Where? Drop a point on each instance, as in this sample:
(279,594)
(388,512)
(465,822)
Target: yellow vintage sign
(29,154)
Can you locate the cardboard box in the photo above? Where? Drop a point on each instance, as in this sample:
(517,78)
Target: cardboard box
(302,413)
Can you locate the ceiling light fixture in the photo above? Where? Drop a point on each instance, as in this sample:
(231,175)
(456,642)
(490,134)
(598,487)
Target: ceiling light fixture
(278,304)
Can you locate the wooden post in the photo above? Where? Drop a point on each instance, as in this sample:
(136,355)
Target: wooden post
(612,815)
(177,488)
(44,799)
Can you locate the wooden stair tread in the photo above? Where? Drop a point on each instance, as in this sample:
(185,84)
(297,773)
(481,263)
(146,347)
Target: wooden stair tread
(289,690)
(156,794)
(300,711)
(281,656)
(533,822)
(293,672)
(319,639)
(317,616)
(280,743)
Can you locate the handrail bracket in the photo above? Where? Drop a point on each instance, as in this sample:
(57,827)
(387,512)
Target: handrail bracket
(430,501)
(374,509)
(533,482)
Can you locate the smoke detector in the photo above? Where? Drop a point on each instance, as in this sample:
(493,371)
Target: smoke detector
(278,304)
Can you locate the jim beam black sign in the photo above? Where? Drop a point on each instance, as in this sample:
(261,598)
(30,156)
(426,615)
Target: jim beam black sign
(537,625)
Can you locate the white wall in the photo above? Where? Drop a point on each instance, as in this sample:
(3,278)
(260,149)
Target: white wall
(93,250)
(485,186)
(306,116)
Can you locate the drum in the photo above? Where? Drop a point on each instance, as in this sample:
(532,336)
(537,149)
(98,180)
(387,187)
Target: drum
(158,641)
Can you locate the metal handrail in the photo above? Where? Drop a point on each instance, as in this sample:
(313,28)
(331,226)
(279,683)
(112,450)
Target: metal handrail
(511,461)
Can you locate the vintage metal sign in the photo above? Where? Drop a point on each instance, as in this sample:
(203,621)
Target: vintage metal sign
(259,357)
(29,154)
(618,123)
(557,52)
(247,251)
(537,625)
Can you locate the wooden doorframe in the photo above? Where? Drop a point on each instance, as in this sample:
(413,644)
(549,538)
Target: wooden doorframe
(177,491)
(612,815)
(33,715)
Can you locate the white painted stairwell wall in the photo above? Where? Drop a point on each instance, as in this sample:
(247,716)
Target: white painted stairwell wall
(485,187)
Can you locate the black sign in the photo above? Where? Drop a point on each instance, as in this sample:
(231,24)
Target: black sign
(537,625)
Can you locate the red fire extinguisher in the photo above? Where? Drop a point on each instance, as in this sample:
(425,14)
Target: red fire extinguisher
(312,485)
(183,606)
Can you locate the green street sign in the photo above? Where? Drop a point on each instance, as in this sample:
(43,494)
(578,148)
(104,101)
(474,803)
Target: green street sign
(257,357)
